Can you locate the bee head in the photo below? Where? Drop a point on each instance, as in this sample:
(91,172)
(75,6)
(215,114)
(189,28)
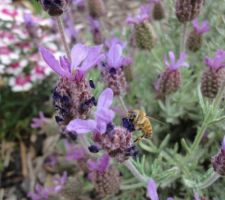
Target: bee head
(132,115)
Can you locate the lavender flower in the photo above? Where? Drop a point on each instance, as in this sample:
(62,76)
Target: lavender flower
(105,177)
(80,4)
(95,27)
(37,122)
(152,190)
(30,25)
(103,116)
(83,59)
(169,81)
(194,40)
(42,193)
(100,165)
(112,73)
(74,152)
(218,161)
(158,12)
(144,34)
(200,28)
(214,74)
(54,8)
(70,29)
(113,41)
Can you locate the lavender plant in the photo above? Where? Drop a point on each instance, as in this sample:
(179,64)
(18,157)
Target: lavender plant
(180,160)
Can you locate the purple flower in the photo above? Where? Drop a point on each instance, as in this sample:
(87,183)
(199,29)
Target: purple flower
(223,144)
(103,116)
(52,160)
(114,57)
(99,165)
(83,58)
(37,122)
(110,42)
(74,152)
(143,16)
(94,24)
(59,182)
(127,61)
(218,61)
(173,64)
(200,28)
(28,20)
(152,190)
(42,193)
(154,1)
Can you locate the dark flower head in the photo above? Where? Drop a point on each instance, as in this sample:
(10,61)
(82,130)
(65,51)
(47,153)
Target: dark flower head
(54,7)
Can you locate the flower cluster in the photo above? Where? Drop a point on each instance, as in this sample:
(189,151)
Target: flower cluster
(18,29)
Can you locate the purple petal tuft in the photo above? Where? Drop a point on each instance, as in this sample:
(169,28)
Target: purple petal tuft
(152,190)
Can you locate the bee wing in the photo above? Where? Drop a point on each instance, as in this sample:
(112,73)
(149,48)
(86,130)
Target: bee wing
(154,119)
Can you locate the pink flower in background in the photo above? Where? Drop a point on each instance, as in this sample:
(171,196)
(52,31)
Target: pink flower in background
(39,72)
(37,122)
(103,116)
(17,67)
(200,28)
(20,83)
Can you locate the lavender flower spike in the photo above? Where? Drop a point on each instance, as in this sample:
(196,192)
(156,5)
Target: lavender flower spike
(200,28)
(83,59)
(74,152)
(173,64)
(103,116)
(141,17)
(218,61)
(114,56)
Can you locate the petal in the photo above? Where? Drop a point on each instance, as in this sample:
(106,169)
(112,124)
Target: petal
(170,198)
(81,126)
(93,58)
(152,190)
(103,163)
(104,115)
(52,62)
(92,165)
(101,126)
(131,20)
(114,56)
(181,62)
(105,99)
(223,143)
(78,53)
(172,58)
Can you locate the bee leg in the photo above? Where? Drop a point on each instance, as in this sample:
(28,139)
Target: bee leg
(137,140)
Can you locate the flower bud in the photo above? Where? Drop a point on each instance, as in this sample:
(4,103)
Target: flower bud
(194,41)
(187,10)
(115,79)
(145,36)
(71,100)
(96,8)
(218,162)
(158,12)
(54,8)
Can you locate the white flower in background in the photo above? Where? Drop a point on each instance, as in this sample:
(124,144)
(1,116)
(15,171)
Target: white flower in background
(16,67)
(39,72)
(20,83)
(2,67)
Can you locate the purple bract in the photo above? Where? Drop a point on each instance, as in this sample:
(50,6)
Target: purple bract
(103,116)
(200,28)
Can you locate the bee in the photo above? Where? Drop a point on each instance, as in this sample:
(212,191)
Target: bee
(141,122)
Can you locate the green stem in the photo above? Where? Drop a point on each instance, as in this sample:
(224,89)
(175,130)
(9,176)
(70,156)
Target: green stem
(62,35)
(135,172)
(209,181)
(133,186)
(123,104)
(183,37)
